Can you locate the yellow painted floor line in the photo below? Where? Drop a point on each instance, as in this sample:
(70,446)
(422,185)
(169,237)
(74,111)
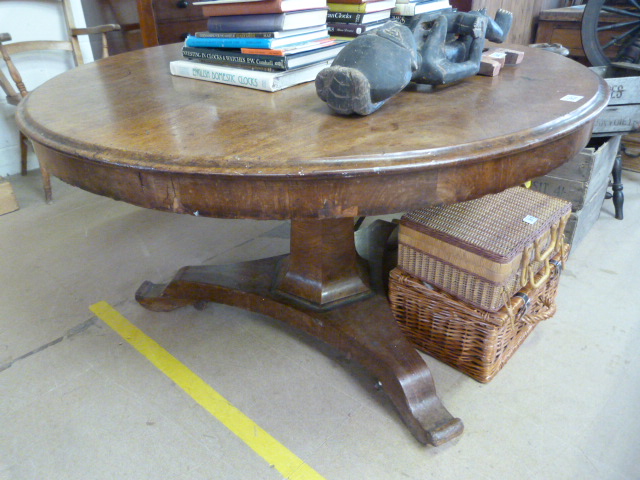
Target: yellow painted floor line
(276,454)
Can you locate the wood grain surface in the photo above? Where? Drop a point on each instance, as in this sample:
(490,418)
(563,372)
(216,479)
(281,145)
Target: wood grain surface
(125,128)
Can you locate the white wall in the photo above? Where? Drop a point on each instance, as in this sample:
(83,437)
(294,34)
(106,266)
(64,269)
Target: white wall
(33,20)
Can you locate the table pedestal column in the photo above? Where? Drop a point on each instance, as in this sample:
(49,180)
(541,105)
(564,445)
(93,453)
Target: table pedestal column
(325,289)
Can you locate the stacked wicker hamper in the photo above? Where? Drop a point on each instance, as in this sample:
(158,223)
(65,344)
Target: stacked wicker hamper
(475,278)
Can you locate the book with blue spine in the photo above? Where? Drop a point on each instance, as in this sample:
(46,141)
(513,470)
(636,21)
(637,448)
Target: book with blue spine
(249,42)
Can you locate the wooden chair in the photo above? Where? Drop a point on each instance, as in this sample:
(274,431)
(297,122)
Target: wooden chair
(15,88)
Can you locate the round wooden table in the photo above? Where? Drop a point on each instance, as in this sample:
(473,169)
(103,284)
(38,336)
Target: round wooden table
(123,127)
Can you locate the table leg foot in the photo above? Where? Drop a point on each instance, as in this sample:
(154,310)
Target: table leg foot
(151,296)
(364,331)
(367,332)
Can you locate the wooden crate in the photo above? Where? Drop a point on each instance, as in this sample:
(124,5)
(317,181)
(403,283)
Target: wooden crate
(631,152)
(623,112)
(580,222)
(8,202)
(582,177)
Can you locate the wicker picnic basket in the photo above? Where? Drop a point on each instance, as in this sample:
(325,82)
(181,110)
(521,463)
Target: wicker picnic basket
(473,341)
(483,251)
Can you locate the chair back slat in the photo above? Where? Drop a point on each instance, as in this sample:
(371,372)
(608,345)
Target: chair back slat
(13,86)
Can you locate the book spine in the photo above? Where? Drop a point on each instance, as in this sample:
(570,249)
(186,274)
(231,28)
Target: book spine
(234,35)
(245,23)
(350,8)
(228,42)
(344,17)
(235,65)
(249,8)
(246,78)
(239,59)
(347,29)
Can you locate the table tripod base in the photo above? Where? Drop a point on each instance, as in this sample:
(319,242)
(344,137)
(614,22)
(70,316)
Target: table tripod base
(364,331)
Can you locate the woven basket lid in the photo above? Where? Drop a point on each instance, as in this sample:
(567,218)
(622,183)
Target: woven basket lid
(497,227)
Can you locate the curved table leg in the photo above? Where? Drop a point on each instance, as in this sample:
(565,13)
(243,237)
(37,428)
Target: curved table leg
(360,325)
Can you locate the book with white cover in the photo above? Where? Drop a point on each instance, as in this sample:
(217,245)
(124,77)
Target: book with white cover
(256,79)
(416,8)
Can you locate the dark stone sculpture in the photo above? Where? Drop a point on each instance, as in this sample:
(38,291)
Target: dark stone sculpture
(434,49)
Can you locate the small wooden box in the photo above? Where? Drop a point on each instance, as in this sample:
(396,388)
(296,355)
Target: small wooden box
(582,177)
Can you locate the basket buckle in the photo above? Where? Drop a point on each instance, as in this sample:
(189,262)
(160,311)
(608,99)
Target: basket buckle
(557,267)
(526,304)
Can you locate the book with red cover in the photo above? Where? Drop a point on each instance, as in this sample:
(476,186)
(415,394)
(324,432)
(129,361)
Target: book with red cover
(293,49)
(356,2)
(266,6)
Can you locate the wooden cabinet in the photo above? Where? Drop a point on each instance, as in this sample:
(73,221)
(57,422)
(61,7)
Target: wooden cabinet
(525,14)
(563,26)
(145,23)
(168,21)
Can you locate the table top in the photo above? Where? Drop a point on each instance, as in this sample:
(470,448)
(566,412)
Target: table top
(142,131)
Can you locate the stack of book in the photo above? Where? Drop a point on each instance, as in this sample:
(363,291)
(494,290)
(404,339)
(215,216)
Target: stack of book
(262,44)
(405,9)
(349,18)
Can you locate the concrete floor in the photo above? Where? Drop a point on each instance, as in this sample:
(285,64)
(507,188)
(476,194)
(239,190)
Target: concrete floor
(77,402)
